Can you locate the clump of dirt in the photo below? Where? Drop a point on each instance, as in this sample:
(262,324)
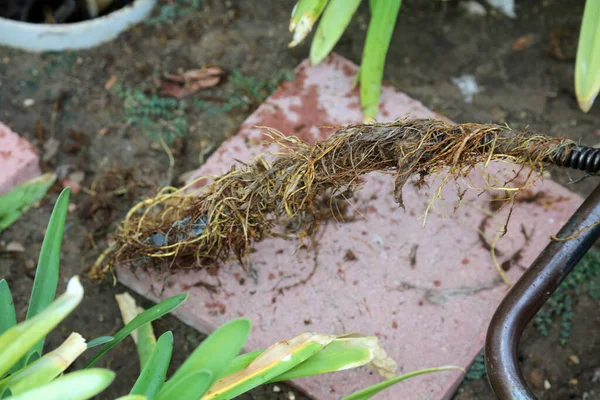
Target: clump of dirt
(243,205)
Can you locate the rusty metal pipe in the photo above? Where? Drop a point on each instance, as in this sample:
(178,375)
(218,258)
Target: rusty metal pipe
(529,294)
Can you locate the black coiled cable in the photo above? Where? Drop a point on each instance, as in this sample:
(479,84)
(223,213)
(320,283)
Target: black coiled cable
(582,158)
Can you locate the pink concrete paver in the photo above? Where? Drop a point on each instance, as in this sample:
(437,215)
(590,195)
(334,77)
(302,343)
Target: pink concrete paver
(19,161)
(427,292)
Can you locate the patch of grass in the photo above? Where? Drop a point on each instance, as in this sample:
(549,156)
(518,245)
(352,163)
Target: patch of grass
(247,93)
(585,279)
(156,116)
(170,10)
(477,369)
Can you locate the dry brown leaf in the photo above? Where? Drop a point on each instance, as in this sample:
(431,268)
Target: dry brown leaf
(524,42)
(190,82)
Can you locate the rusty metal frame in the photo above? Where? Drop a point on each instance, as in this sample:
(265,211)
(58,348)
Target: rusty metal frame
(530,293)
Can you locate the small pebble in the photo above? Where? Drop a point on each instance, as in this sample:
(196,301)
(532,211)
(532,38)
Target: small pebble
(547,384)
(28,102)
(276,389)
(473,8)
(573,382)
(291,396)
(574,359)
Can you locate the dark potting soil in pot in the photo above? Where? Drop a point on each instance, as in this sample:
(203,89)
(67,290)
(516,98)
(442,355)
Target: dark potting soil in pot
(58,11)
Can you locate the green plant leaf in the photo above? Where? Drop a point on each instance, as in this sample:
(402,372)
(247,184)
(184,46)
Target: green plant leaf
(99,341)
(339,355)
(18,340)
(80,385)
(189,387)
(132,397)
(153,374)
(240,362)
(335,19)
(143,337)
(379,35)
(215,352)
(8,318)
(16,202)
(46,368)
(151,314)
(46,274)
(371,391)
(274,361)
(587,64)
(304,16)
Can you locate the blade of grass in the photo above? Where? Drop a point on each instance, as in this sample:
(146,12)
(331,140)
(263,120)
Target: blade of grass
(147,316)
(16,202)
(379,35)
(46,274)
(16,342)
(80,385)
(99,341)
(215,352)
(371,391)
(153,375)
(335,19)
(304,16)
(587,64)
(190,387)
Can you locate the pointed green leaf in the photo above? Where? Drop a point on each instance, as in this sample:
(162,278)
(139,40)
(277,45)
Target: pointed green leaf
(274,361)
(304,16)
(132,397)
(379,35)
(371,391)
(587,65)
(46,275)
(99,341)
(189,387)
(240,362)
(336,356)
(143,336)
(8,318)
(335,19)
(147,316)
(153,375)
(80,385)
(216,351)
(18,340)
(16,202)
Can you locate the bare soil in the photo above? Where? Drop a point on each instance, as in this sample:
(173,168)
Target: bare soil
(524,68)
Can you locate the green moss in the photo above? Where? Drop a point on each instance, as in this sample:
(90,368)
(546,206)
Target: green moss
(170,10)
(585,279)
(477,369)
(54,61)
(247,92)
(156,116)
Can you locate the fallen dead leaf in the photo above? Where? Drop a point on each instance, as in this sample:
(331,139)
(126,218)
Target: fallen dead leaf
(190,82)
(110,82)
(524,42)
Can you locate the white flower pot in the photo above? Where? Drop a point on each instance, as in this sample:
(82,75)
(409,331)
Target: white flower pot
(79,35)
